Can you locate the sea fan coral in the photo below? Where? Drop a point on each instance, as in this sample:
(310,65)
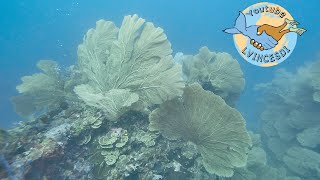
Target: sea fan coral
(290,120)
(45,90)
(217,72)
(206,120)
(128,68)
(257,166)
(303,162)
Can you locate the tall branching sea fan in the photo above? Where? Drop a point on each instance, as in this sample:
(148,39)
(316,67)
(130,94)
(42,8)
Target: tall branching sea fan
(130,67)
(45,90)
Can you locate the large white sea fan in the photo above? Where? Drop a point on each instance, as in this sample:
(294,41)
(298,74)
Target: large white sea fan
(130,67)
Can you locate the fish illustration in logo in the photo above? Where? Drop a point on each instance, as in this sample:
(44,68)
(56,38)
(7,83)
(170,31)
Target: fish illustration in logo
(263,37)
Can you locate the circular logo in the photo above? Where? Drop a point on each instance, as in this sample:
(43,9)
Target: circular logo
(265,34)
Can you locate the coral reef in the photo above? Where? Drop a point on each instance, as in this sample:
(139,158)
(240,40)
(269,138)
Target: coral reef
(146,155)
(290,123)
(35,143)
(92,121)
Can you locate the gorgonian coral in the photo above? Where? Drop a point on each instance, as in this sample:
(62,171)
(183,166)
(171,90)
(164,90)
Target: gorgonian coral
(130,67)
(206,120)
(45,90)
(217,72)
(290,120)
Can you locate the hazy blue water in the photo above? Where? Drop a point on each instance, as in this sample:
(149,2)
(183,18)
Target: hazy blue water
(31,30)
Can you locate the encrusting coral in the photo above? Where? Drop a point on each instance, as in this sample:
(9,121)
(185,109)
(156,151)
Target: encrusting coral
(147,138)
(117,137)
(92,118)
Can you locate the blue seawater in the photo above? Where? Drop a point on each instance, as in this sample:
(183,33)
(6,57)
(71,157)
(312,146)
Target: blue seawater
(34,30)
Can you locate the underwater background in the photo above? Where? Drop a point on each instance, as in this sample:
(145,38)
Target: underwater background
(33,30)
(52,30)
